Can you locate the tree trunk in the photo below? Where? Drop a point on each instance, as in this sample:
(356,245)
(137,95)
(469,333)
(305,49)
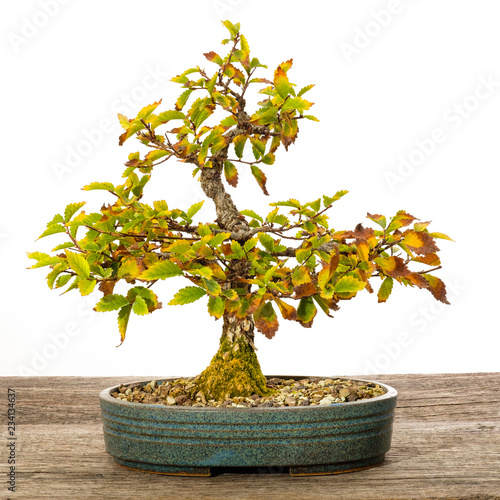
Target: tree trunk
(234,370)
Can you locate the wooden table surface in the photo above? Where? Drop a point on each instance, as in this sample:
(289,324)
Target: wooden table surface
(446,444)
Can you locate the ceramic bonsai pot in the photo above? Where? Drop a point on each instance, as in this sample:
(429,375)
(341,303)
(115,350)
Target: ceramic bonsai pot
(184,440)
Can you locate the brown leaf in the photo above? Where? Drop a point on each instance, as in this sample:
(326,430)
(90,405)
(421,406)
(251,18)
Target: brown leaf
(107,286)
(436,287)
(304,290)
(267,327)
(287,311)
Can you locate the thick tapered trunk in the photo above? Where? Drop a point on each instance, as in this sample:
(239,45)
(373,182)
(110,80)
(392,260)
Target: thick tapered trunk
(234,370)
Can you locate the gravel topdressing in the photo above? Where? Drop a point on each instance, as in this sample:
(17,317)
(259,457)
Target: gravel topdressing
(288,392)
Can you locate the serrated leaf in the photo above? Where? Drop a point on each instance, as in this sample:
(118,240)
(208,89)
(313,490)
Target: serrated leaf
(379,219)
(52,229)
(71,209)
(233,28)
(78,263)
(239,145)
(441,236)
(306,312)
(216,307)
(385,289)
(212,287)
(123,317)
(349,284)
(260,177)
(187,295)
(305,89)
(161,270)
(111,302)
(251,213)
(183,99)
(86,287)
(231,173)
(218,239)
(140,307)
(281,83)
(237,250)
(194,209)
(266,241)
(249,244)
(106,186)
(327,201)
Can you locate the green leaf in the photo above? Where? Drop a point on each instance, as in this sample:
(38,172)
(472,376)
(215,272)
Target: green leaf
(306,312)
(111,302)
(63,246)
(281,83)
(145,112)
(385,289)
(349,284)
(379,219)
(166,116)
(78,263)
(194,209)
(161,270)
(213,288)
(305,89)
(233,28)
(218,239)
(187,295)
(123,317)
(106,186)
(140,307)
(327,201)
(251,213)
(239,145)
(290,203)
(237,250)
(86,287)
(440,235)
(182,99)
(297,103)
(52,229)
(249,244)
(266,241)
(216,307)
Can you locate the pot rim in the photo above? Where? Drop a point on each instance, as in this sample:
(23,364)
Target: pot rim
(390,393)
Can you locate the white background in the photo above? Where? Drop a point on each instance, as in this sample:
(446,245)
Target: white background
(387,74)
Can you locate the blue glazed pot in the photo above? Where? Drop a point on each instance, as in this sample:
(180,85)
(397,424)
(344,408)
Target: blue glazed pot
(185,440)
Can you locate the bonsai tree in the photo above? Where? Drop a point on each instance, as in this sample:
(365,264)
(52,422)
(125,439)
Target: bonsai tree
(250,268)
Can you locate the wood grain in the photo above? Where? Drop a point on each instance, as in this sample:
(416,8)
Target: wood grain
(446,444)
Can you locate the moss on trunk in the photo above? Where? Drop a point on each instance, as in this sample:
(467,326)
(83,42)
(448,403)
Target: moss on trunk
(234,370)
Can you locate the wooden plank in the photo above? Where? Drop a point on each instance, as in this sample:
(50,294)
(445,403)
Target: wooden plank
(446,444)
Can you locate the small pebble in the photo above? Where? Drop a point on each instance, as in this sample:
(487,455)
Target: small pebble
(289,392)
